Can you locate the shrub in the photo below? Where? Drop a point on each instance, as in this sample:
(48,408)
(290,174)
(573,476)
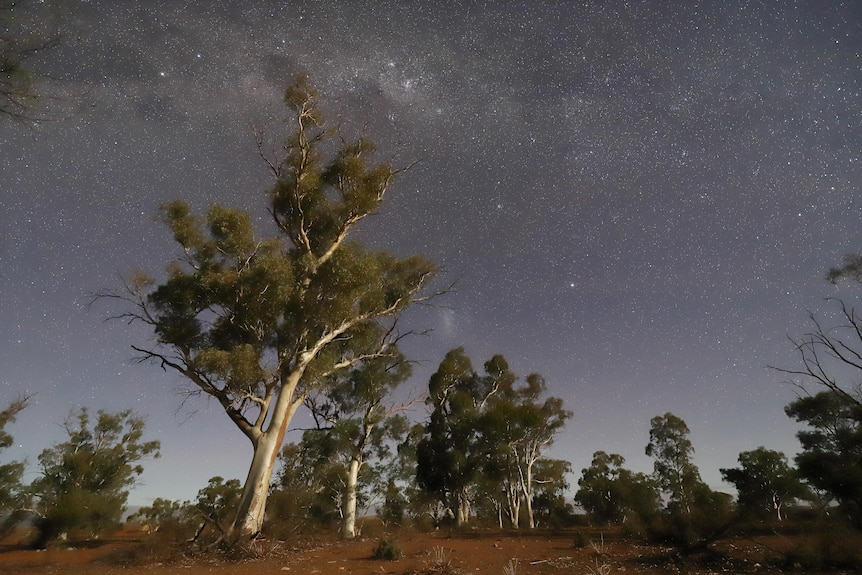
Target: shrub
(387,550)
(581,539)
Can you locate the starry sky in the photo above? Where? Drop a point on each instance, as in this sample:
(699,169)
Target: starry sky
(638,200)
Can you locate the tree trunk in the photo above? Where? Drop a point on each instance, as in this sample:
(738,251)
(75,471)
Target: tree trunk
(528,495)
(252,504)
(514,505)
(348,530)
(776,504)
(462,512)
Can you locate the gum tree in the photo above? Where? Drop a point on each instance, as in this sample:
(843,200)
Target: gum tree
(520,426)
(611,493)
(672,450)
(11,489)
(84,482)
(260,323)
(830,361)
(359,425)
(765,482)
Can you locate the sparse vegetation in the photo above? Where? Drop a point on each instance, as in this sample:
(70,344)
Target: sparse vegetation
(388,550)
(440,561)
(511,568)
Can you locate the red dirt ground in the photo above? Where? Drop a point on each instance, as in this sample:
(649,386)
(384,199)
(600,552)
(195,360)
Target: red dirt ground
(486,552)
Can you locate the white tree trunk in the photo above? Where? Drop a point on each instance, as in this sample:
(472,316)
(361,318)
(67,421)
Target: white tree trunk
(513,499)
(462,513)
(348,530)
(252,504)
(777,504)
(528,496)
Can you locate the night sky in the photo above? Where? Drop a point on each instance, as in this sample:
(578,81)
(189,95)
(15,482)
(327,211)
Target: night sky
(638,200)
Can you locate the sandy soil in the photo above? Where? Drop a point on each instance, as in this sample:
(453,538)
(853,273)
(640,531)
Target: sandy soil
(489,552)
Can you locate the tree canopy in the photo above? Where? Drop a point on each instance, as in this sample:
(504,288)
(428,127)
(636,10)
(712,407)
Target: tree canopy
(486,433)
(84,481)
(765,482)
(609,492)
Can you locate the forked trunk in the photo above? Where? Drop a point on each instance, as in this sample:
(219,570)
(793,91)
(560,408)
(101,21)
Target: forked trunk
(252,504)
(462,513)
(348,530)
(514,511)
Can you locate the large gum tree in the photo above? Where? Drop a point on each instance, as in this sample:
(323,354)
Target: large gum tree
(259,324)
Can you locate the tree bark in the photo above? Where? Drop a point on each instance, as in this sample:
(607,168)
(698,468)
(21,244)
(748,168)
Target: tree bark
(528,495)
(513,498)
(462,512)
(349,527)
(252,504)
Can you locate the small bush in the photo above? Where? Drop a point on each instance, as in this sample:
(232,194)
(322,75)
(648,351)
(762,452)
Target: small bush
(387,550)
(581,540)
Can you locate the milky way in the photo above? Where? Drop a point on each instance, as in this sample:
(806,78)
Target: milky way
(638,200)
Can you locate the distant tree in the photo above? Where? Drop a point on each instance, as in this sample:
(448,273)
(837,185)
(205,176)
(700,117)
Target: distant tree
(697,515)
(11,489)
(765,482)
(163,512)
(610,493)
(403,498)
(449,456)
(260,324)
(830,360)
(361,426)
(831,456)
(216,505)
(306,491)
(676,473)
(84,481)
(549,504)
(486,435)
(517,427)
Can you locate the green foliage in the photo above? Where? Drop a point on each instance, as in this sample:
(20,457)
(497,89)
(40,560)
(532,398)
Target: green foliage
(610,493)
(11,489)
(485,438)
(166,517)
(695,513)
(831,456)
(357,430)
(85,480)
(306,493)
(765,482)
(393,510)
(387,550)
(216,503)
(550,493)
(449,456)
(676,474)
(260,324)
(850,269)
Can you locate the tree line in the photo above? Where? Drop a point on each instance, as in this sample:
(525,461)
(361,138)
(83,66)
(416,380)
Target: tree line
(309,318)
